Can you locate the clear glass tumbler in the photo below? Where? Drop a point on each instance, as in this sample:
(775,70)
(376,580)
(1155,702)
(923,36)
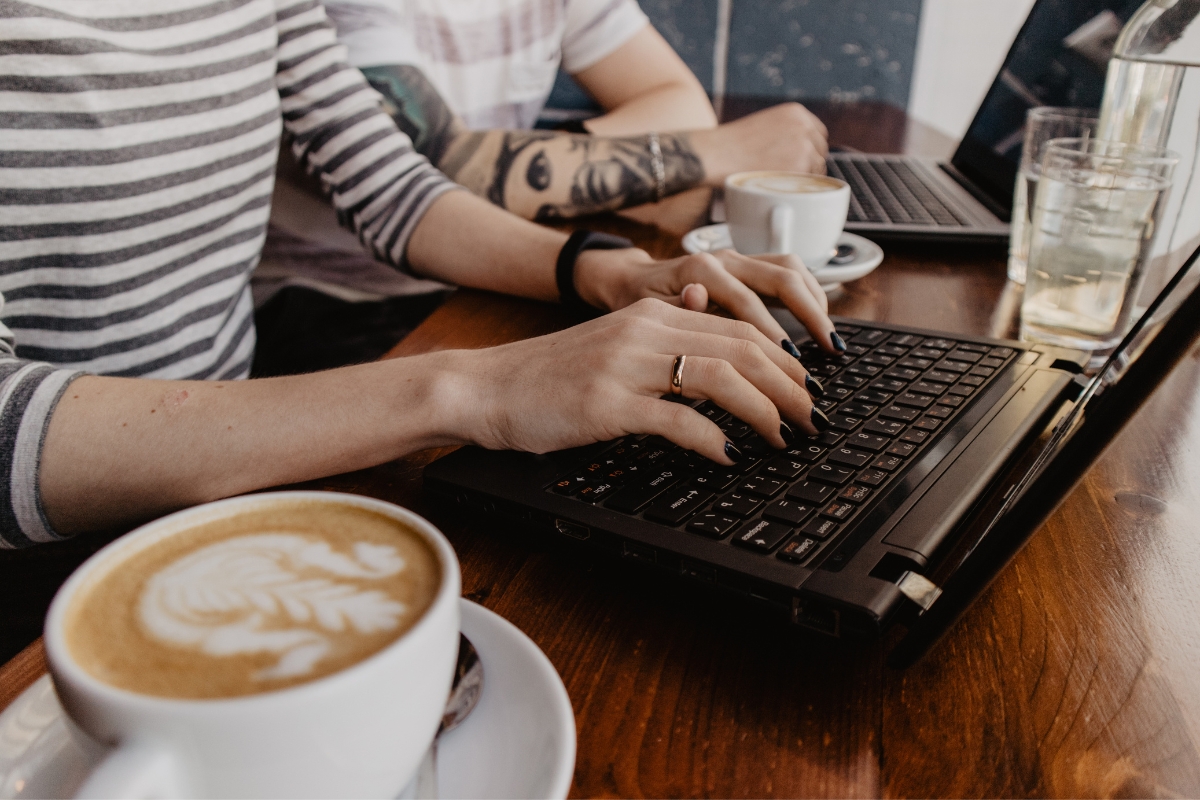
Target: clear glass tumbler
(1041,125)
(1095,215)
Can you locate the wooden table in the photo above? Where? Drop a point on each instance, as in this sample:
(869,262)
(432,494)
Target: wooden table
(1077,674)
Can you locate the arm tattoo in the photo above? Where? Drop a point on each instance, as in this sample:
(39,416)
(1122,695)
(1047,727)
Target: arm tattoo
(540,175)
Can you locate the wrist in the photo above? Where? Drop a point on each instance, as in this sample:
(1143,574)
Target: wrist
(605,278)
(433,401)
(717,157)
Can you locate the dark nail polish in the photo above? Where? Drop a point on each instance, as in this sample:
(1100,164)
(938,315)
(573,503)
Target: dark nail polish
(838,344)
(732,453)
(814,386)
(790,347)
(819,420)
(789,435)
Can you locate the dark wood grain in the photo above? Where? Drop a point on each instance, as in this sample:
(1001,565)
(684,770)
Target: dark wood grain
(1076,674)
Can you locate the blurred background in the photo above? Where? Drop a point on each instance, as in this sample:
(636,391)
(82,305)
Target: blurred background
(933,58)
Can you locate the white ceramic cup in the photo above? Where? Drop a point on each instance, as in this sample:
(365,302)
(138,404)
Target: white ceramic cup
(764,216)
(358,732)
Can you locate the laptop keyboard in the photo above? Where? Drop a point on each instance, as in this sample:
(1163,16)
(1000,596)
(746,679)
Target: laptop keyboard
(884,190)
(888,398)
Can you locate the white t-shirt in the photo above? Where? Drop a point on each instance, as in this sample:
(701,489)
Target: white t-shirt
(493,61)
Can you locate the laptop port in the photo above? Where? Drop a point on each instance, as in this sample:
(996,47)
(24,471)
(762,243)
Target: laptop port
(571,529)
(816,616)
(638,552)
(697,571)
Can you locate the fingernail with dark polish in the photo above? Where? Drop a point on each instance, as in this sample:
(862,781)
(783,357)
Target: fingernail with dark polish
(819,420)
(790,347)
(814,386)
(787,433)
(838,344)
(732,453)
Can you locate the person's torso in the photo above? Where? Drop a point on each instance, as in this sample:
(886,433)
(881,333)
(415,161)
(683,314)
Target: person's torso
(137,157)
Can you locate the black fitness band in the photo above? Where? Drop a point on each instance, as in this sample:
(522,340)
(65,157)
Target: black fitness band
(564,269)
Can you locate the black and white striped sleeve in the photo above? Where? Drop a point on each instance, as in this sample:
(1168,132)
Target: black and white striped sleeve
(380,185)
(29,391)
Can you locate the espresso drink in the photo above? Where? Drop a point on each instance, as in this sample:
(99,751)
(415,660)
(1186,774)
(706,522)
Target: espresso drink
(262,600)
(786,183)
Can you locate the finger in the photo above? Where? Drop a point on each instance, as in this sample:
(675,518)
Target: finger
(794,264)
(683,426)
(694,297)
(739,377)
(734,296)
(791,288)
(731,331)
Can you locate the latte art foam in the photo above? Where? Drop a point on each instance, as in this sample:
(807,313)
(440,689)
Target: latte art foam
(279,593)
(254,603)
(786,183)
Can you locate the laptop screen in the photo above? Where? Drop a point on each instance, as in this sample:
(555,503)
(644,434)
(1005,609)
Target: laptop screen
(1059,58)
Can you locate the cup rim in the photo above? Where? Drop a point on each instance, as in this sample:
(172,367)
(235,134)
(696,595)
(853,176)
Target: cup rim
(1064,112)
(58,654)
(769,193)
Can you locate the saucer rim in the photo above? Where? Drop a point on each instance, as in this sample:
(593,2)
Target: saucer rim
(871,251)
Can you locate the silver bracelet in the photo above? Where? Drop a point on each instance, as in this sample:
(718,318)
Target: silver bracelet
(657,167)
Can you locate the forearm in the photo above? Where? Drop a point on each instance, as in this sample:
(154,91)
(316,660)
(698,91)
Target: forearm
(119,450)
(671,107)
(546,175)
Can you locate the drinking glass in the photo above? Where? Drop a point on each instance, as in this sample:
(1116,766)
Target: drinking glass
(1095,215)
(1041,125)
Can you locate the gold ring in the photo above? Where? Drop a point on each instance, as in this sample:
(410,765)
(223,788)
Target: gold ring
(677,375)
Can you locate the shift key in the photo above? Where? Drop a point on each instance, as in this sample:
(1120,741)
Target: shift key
(676,505)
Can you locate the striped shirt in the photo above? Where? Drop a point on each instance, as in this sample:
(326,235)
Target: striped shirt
(137,155)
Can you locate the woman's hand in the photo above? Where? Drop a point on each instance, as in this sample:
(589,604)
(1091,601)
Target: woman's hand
(606,378)
(614,279)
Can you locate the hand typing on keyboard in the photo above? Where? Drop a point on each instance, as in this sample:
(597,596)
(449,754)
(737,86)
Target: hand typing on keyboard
(607,378)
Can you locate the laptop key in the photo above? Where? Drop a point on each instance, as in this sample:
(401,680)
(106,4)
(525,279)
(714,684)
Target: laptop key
(632,499)
(890,350)
(849,381)
(715,480)
(902,449)
(928,352)
(873,397)
(805,452)
(737,505)
(992,362)
(734,428)
(595,492)
(839,510)
(951,400)
(866,441)
(711,524)
(953,366)
(973,380)
(783,468)
(570,485)
(1002,352)
(885,427)
(677,505)
(914,363)
(974,348)
(711,410)
(844,423)
(983,372)
(871,477)
(905,340)
(887,463)
(941,376)
(838,393)
(939,412)
(869,338)
(927,424)
(878,359)
(761,486)
(888,385)
(865,370)
(848,457)
(914,400)
(925,387)
(798,550)
(900,413)
(828,438)
(916,437)
(855,493)
(961,391)
(761,535)
(858,409)
(810,493)
(820,528)
(939,344)
(788,512)
(964,355)
(829,473)
(903,373)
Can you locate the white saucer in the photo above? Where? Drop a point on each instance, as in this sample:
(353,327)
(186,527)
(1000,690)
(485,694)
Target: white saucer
(868,255)
(518,742)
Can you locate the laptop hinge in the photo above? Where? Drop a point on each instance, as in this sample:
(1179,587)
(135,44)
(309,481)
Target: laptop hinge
(919,589)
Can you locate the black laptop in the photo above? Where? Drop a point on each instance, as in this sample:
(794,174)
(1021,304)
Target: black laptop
(936,470)
(1059,58)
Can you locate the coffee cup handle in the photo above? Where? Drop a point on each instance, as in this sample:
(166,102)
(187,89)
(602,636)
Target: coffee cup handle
(134,769)
(781,229)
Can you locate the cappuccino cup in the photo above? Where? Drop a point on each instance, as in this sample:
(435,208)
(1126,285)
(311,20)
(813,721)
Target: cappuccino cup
(294,644)
(796,213)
